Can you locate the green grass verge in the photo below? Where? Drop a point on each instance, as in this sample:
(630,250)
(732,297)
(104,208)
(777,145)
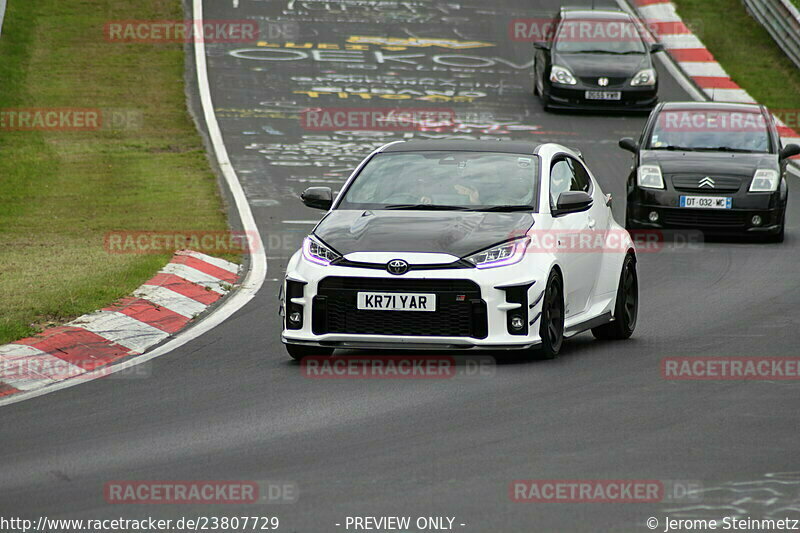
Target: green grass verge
(745,50)
(60,192)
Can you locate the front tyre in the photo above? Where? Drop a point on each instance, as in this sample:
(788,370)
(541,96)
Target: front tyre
(626,309)
(551,325)
(298,351)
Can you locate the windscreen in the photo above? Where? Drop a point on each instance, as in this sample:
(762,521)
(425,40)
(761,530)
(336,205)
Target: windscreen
(608,36)
(710,129)
(438,179)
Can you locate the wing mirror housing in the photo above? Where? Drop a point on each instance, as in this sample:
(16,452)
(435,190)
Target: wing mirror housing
(790,150)
(626,143)
(318,197)
(572,202)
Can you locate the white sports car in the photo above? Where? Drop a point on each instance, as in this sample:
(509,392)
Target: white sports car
(461,245)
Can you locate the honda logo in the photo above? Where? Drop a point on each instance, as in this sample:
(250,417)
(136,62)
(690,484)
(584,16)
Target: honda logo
(397,267)
(602,82)
(706,182)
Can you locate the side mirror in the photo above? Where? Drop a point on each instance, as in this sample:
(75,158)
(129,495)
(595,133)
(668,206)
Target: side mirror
(626,143)
(790,150)
(541,45)
(318,197)
(656,47)
(572,202)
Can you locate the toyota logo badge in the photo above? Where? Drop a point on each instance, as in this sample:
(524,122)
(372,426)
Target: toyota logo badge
(397,267)
(602,82)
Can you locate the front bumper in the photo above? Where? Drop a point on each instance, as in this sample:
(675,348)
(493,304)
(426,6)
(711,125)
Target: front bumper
(481,317)
(574,97)
(770,207)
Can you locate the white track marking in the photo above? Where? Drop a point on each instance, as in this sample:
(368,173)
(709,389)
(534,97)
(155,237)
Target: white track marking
(704,68)
(730,95)
(27,368)
(195,276)
(169,299)
(216,261)
(121,329)
(659,13)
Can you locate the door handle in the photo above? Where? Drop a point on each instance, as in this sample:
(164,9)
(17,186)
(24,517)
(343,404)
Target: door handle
(591,223)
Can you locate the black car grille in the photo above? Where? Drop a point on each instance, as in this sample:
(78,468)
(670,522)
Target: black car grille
(692,184)
(593,81)
(716,218)
(460,312)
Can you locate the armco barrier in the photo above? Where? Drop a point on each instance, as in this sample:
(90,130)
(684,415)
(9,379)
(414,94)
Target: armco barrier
(2,14)
(782,20)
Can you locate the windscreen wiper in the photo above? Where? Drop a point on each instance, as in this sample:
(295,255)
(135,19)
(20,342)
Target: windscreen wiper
(426,207)
(503,208)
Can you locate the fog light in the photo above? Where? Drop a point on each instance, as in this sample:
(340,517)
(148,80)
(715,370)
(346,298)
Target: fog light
(295,317)
(517,322)
(653,216)
(756,220)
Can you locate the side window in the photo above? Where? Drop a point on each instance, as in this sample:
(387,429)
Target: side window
(580,180)
(561,178)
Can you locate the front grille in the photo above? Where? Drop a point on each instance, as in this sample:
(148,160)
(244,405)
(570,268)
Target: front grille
(335,308)
(716,218)
(692,184)
(592,81)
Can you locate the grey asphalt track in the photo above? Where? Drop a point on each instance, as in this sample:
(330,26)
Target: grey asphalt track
(231,406)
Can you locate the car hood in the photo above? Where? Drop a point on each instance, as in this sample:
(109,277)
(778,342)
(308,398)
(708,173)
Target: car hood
(457,233)
(608,65)
(714,163)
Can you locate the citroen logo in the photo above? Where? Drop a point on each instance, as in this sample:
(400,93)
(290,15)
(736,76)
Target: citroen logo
(602,82)
(706,182)
(397,267)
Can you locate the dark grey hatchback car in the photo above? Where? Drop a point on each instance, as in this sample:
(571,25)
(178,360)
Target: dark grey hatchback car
(596,59)
(717,167)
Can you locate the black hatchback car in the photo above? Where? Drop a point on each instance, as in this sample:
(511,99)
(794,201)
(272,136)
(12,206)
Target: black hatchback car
(596,60)
(716,167)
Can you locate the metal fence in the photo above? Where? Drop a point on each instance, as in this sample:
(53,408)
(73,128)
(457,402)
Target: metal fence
(782,21)
(2,14)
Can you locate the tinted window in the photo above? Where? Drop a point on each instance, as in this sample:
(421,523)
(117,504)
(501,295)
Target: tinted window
(611,36)
(561,179)
(581,180)
(458,179)
(710,129)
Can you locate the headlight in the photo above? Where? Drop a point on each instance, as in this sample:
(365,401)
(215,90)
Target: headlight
(318,253)
(644,77)
(765,180)
(504,254)
(649,177)
(562,76)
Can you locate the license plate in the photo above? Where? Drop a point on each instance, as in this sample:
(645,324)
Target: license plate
(396,301)
(603,95)
(706,202)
